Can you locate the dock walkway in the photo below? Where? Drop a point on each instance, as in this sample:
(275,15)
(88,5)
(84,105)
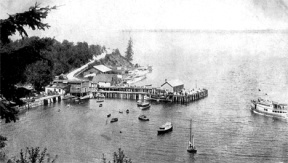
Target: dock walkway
(156,94)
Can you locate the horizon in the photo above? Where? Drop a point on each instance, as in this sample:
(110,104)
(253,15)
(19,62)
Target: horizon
(97,22)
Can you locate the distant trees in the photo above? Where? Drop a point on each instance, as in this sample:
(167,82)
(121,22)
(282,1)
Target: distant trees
(129,51)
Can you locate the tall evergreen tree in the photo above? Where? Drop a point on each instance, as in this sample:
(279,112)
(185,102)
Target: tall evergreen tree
(129,52)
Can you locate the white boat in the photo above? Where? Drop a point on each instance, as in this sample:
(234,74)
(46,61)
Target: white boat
(191,147)
(85,97)
(270,108)
(144,105)
(167,127)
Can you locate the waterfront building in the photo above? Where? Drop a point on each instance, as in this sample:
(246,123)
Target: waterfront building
(105,80)
(79,87)
(172,85)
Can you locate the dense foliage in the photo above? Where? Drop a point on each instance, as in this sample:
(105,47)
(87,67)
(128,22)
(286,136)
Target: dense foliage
(119,157)
(31,18)
(33,155)
(129,51)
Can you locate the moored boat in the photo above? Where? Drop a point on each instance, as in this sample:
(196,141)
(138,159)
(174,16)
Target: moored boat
(270,108)
(85,97)
(100,105)
(114,120)
(167,127)
(144,105)
(143,118)
(191,147)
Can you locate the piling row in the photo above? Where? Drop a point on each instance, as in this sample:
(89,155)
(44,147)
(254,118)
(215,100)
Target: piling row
(140,95)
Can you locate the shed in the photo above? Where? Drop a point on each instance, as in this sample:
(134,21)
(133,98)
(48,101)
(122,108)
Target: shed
(172,85)
(104,80)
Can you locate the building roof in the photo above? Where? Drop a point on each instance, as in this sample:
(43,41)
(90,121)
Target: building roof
(77,81)
(173,83)
(102,68)
(89,75)
(103,78)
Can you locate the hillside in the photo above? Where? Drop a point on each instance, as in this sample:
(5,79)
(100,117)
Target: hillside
(115,59)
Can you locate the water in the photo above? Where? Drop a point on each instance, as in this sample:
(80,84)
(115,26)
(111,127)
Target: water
(233,67)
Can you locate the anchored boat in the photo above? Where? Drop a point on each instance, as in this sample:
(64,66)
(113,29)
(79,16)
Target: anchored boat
(191,147)
(167,127)
(143,118)
(144,105)
(114,120)
(270,108)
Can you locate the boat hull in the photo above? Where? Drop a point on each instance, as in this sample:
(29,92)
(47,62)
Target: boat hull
(145,107)
(191,150)
(266,110)
(165,131)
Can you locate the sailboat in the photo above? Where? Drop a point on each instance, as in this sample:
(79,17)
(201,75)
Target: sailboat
(191,147)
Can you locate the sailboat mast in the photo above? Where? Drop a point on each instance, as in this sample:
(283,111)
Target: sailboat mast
(190,129)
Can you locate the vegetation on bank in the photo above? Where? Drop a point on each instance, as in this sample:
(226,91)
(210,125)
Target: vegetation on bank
(36,61)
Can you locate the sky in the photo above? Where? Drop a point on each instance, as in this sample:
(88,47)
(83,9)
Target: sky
(95,20)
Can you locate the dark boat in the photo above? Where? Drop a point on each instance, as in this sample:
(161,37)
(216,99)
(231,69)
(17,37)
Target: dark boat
(127,111)
(109,115)
(100,105)
(120,111)
(143,118)
(144,105)
(114,120)
(167,127)
(191,147)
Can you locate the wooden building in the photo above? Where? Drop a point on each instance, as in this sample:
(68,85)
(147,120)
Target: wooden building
(79,87)
(172,85)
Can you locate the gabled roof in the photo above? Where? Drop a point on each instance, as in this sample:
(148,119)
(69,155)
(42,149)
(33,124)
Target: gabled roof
(102,68)
(103,78)
(173,83)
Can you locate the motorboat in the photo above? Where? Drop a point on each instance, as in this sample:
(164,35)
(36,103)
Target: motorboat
(167,127)
(114,120)
(144,105)
(191,147)
(85,97)
(120,111)
(109,115)
(143,118)
(269,108)
(100,105)
(127,111)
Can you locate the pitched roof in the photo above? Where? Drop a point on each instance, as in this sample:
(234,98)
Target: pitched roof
(102,68)
(103,78)
(174,83)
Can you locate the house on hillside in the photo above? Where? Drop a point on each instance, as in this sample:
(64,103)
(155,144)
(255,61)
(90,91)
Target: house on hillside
(172,85)
(105,80)
(95,70)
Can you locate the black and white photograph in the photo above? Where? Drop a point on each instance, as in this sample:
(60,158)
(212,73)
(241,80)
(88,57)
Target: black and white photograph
(143,81)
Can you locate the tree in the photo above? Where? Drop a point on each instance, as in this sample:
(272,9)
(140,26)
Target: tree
(118,157)
(33,155)
(129,52)
(31,18)
(15,60)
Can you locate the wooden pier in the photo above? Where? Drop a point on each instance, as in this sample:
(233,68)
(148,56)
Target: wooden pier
(138,93)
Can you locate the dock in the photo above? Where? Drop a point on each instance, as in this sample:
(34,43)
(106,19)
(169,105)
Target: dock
(139,93)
